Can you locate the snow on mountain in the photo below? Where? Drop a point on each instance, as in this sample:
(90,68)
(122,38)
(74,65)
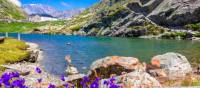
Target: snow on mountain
(45,9)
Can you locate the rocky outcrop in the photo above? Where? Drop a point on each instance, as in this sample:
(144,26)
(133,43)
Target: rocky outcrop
(174,64)
(176,12)
(130,18)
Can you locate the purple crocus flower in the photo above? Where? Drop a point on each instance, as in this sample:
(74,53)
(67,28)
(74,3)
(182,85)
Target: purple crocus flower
(106,82)
(39,80)
(38,70)
(62,77)
(84,81)
(18,83)
(95,84)
(6,78)
(66,85)
(112,80)
(14,74)
(114,86)
(51,86)
(85,78)
(1,82)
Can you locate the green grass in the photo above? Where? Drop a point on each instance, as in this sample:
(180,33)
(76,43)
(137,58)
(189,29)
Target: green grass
(193,83)
(12,50)
(25,26)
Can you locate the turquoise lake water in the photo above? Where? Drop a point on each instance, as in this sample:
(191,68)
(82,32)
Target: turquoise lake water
(85,50)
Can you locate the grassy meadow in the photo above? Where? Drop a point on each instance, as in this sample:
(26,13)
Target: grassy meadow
(25,26)
(12,50)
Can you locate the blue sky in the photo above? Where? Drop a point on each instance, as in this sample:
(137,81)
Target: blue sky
(63,4)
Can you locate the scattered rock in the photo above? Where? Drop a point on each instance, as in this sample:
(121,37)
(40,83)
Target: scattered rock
(71,70)
(174,64)
(135,79)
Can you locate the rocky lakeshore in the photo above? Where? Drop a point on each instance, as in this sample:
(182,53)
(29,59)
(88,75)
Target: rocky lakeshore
(167,70)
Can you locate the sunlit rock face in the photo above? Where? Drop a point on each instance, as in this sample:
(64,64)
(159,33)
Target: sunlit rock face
(176,12)
(133,18)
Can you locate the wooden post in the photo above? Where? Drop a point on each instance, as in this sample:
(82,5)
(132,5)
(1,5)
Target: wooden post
(6,35)
(18,36)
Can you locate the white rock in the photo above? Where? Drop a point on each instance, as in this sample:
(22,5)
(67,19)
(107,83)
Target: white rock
(175,64)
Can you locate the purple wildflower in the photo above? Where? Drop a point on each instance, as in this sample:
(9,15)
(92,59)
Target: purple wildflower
(95,84)
(114,86)
(38,70)
(66,85)
(85,78)
(106,82)
(62,77)
(84,81)
(14,74)
(6,79)
(51,86)
(39,80)
(112,80)
(18,83)
(1,82)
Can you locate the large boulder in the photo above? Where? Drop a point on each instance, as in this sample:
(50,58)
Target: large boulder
(174,64)
(108,66)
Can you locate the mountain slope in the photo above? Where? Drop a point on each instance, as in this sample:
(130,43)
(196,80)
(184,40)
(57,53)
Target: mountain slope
(133,18)
(45,9)
(8,10)
(112,18)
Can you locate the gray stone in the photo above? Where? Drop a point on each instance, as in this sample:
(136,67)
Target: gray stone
(174,64)
(135,79)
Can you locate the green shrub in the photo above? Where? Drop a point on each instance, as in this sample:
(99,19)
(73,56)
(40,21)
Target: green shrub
(154,30)
(197,34)
(173,35)
(194,27)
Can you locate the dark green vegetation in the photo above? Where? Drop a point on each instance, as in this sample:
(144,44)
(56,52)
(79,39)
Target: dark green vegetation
(174,35)
(12,50)
(10,11)
(194,27)
(26,26)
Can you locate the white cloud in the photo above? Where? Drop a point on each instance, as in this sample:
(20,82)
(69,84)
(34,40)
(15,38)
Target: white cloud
(16,2)
(65,4)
